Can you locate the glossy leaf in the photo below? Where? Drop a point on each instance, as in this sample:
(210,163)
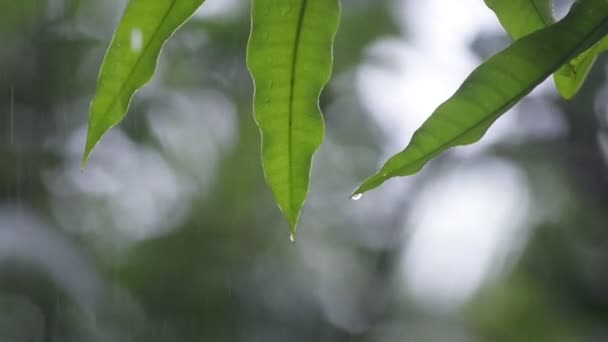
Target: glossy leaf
(496,86)
(131,59)
(522,17)
(569,78)
(290,60)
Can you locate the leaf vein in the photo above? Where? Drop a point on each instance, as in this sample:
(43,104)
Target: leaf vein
(292,83)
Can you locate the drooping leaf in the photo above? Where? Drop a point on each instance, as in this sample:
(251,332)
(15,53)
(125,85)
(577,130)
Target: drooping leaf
(570,77)
(290,60)
(522,17)
(131,59)
(496,86)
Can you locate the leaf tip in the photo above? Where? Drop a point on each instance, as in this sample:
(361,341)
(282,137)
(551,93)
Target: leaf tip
(565,86)
(292,218)
(86,155)
(292,230)
(85,159)
(567,93)
(368,184)
(83,164)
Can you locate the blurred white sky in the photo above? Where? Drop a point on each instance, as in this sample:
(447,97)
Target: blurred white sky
(463,224)
(427,68)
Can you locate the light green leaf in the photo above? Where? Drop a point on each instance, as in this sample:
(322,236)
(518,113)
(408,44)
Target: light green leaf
(570,77)
(496,86)
(131,59)
(290,60)
(522,17)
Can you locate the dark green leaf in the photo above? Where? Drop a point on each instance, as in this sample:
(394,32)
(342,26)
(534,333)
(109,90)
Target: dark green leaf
(522,17)
(131,59)
(496,86)
(290,59)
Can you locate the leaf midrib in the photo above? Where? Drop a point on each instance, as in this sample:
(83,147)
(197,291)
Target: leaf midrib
(542,18)
(547,23)
(499,110)
(292,83)
(141,55)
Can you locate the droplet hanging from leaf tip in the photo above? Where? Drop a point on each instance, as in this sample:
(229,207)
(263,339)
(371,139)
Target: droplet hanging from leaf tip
(292,237)
(356,197)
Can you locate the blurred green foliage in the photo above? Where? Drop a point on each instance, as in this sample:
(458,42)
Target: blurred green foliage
(194,253)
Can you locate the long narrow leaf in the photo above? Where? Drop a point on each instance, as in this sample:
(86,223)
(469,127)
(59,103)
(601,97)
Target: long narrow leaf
(522,17)
(290,59)
(496,86)
(131,59)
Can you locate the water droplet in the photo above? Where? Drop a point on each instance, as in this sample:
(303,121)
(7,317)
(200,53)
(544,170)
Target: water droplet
(356,197)
(292,237)
(137,40)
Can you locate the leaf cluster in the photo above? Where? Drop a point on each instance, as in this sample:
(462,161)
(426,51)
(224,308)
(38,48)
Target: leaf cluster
(290,59)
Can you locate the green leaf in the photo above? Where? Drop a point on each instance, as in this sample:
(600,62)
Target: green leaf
(290,60)
(570,77)
(522,17)
(496,86)
(131,59)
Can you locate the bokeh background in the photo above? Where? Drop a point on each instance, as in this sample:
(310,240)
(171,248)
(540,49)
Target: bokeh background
(170,233)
